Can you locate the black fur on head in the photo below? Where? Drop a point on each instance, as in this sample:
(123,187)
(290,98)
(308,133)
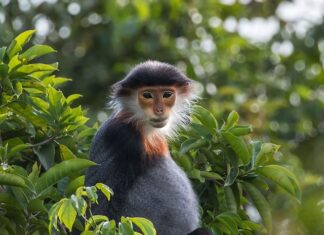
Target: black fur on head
(151,73)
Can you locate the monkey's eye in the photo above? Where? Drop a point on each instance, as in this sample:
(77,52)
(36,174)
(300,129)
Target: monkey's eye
(167,94)
(147,95)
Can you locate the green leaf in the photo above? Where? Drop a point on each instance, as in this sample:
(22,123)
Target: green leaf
(230,220)
(266,153)
(16,45)
(241,130)
(205,117)
(46,155)
(282,177)
(256,147)
(107,228)
(61,170)
(56,101)
(53,216)
(125,229)
(54,81)
(4,71)
(238,146)
(34,174)
(18,89)
(40,104)
(2,53)
(232,119)
(67,214)
(261,204)
(105,190)
(211,175)
(253,226)
(232,173)
(192,144)
(74,184)
(37,205)
(14,63)
(92,194)
(196,174)
(11,179)
(36,51)
(17,148)
(200,130)
(144,225)
(71,98)
(94,220)
(230,199)
(27,113)
(66,153)
(31,68)
(79,204)
(86,132)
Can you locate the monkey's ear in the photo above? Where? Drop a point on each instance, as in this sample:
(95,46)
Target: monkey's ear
(120,91)
(184,89)
(201,231)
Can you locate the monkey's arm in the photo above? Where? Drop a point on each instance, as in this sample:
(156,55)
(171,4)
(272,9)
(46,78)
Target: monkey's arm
(117,150)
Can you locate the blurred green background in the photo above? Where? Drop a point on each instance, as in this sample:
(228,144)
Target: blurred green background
(262,58)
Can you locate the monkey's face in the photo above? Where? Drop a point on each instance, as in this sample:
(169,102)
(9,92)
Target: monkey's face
(156,103)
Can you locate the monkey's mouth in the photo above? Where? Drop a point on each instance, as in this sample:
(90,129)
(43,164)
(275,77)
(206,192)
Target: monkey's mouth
(158,122)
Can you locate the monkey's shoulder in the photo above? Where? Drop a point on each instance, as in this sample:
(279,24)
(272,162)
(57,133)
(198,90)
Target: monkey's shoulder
(114,136)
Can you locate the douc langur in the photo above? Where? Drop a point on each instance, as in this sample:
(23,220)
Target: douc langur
(133,156)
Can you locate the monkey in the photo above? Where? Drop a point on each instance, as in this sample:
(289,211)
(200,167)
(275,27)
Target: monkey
(132,153)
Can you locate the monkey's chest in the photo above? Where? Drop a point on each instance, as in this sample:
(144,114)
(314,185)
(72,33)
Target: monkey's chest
(165,196)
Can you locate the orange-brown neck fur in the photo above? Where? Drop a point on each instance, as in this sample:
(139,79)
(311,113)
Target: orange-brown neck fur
(155,146)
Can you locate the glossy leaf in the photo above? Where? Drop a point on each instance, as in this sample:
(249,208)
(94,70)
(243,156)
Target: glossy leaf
(66,153)
(238,146)
(72,98)
(266,153)
(232,119)
(144,225)
(31,68)
(36,51)
(256,147)
(281,176)
(241,130)
(230,199)
(11,179)
(205,117)
(260,203)
(17,149)
(67,214)
(61,170)
(17,44)
(95,219)
(74,184)
(46,155)
(230,220)
(80,204)
(192,144)
(105,190)
(125,229)
(232,173)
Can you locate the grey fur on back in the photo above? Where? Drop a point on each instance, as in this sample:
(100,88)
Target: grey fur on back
(165,196)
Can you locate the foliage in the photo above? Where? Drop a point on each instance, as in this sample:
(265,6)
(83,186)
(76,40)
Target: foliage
(44,140)
(228,171)
(44,146)
(44,143)
(67,209)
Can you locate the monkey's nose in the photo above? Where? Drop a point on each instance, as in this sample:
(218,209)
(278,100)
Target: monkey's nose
(158,110)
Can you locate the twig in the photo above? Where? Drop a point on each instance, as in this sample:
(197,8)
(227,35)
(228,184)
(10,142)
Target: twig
(44,142)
